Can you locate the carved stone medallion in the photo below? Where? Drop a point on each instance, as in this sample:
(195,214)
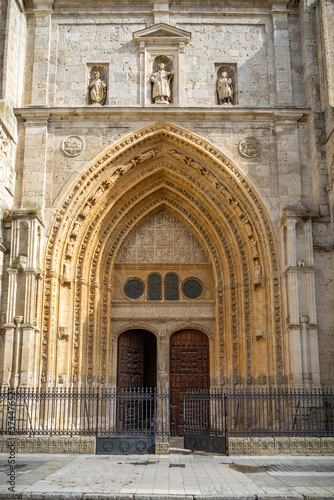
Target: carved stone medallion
(72,145)
(249,147)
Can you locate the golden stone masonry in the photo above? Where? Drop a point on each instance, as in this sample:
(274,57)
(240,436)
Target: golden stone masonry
(166,194)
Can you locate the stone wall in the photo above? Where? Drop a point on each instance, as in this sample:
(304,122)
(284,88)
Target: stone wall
(277,132)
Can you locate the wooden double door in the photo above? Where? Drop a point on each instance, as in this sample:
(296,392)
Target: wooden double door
(189,366)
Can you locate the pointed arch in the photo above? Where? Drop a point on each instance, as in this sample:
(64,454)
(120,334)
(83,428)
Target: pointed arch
(164,167)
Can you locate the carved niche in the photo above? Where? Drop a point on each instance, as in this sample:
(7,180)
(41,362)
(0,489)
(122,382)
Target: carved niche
(226,86)
(97,84)
(162,44)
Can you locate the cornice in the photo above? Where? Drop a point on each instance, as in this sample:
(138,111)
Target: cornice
(154,113)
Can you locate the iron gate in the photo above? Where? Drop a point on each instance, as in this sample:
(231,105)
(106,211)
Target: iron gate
(129,421)
(205,421)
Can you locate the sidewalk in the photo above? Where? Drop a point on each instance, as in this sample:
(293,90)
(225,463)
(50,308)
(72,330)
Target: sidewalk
(193,476)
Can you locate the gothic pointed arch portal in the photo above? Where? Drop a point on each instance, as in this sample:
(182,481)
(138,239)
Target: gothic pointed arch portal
(93,251)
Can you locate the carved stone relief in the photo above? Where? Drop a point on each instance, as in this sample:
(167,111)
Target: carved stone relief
(72,145)
(249,147)
(163,238)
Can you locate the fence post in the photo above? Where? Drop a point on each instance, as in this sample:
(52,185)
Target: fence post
(97,409)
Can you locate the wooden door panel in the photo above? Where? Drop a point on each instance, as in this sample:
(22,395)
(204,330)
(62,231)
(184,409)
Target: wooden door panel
(130,360)
(189,369)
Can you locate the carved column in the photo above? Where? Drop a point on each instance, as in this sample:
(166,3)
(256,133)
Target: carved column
(28,329)
(305,351)
(163,362)
(19,351)
(313,327)
(293,303)
(282,52)
(42,14)
(182,75)
(9,328)
(163,379)
(142,72)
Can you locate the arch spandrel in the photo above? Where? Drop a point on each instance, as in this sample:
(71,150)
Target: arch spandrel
(165,165)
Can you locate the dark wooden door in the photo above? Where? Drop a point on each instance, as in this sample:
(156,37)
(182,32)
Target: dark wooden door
(131,360)
(189,369)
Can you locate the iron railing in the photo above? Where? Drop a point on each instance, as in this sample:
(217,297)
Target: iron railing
(85,412)
(255,412)
(105,412)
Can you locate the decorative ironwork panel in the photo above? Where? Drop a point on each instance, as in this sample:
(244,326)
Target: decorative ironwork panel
(125,445)
(202,442)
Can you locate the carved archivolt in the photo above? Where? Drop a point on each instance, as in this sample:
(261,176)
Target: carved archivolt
(162,168)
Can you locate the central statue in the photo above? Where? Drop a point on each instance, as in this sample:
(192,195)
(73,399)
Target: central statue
(161,84)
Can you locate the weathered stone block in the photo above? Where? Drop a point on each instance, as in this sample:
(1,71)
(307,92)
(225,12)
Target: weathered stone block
(312,446)
(162,448)
(282,446)
(87,445)
(266,445)
(25,444)
(41,444)
(72,445)
(297,446)
(236,446)
(57,444)
(251,446)
(327,445)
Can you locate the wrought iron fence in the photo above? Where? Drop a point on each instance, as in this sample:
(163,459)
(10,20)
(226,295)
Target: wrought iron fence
(105,412)
(255,412)
(85,412)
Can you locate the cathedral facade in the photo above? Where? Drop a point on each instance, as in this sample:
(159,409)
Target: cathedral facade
(167,193)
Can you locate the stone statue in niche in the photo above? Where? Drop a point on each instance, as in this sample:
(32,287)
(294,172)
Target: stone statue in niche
(98,90)
(161,85)
(225,89)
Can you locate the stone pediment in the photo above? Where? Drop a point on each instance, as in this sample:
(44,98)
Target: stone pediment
(162,33)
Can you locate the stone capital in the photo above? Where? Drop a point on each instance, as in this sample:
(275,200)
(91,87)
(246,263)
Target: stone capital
(304,319)
(43,5)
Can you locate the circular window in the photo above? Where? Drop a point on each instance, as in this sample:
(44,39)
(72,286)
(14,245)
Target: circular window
(134,288)
(192,288)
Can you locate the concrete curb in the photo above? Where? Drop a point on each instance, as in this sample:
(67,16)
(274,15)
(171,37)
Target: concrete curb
(101,496)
